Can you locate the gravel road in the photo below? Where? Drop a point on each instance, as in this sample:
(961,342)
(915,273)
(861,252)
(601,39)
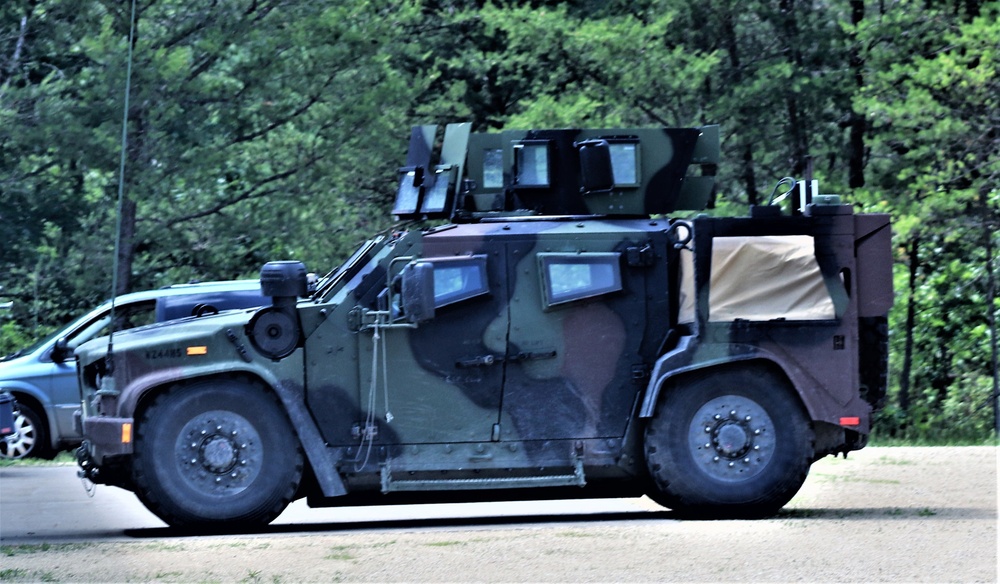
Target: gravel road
(883,515)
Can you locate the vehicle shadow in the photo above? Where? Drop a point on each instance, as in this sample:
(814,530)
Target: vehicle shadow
(411,524)
(808,514)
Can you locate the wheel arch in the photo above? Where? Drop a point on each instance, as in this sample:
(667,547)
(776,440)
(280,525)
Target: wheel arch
(668,375)
(40,403)
(28,399)
(320,462)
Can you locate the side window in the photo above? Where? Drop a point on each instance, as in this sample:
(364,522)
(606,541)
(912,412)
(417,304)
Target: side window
(459,278)
(493,168)
(569,277)
(531,164)
(625,163)
(126,316)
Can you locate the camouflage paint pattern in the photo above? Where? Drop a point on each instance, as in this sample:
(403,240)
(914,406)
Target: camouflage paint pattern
(521,380)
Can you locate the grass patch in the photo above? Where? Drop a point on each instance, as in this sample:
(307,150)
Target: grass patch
(895,461)
(38,548)
(576,534)
(9,574)
(842,479)
(340,552)
(889,441)
(444,543)
(61,459)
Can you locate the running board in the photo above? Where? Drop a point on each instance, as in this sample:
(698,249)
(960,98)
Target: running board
(567,480)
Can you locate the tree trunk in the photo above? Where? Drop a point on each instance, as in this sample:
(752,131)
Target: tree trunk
(911,316)
(856,162)
(732,49)
(797,131)
(126,246)
(991,319)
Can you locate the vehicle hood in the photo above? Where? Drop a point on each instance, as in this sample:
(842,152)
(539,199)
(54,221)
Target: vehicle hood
(175,333)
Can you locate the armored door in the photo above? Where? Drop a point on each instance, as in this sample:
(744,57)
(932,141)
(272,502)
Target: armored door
(441,382)
(578,316)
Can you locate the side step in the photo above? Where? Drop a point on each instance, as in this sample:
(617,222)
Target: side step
(567,480)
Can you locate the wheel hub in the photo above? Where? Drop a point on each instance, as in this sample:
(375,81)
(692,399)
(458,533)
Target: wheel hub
(219,454)
(219,451)
(731,438)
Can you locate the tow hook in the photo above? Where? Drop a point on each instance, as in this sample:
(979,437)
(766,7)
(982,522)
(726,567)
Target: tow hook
(88,471)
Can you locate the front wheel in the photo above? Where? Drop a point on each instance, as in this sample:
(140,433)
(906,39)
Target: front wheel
(216,454)
(728,444)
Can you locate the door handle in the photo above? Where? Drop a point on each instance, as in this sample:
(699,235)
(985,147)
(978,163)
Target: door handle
(531,356)
(487,360)
(481,361)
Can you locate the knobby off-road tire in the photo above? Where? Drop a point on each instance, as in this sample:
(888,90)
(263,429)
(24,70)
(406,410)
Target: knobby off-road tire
(729,444)
(216,455)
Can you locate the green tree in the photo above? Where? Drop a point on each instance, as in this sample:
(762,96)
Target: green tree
(932,99)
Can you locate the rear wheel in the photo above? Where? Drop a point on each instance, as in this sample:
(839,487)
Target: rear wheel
(30,438)
(216,454)
(728,444)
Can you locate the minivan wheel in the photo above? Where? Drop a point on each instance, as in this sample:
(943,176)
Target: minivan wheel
(31,437)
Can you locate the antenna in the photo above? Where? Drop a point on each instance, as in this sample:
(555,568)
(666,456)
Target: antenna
(108,381)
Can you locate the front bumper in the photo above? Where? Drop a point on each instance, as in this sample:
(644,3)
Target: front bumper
(108,437)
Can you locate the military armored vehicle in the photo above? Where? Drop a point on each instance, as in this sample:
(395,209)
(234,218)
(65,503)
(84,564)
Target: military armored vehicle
(560,331)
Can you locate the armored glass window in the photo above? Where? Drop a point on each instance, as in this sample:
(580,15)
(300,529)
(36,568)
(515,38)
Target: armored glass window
(408,193)
(493,168)
(569,277)
(625,163)
(460,278)
(436,199)
(531,164)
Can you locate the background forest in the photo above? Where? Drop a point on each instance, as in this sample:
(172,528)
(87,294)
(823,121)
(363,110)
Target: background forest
(272,129)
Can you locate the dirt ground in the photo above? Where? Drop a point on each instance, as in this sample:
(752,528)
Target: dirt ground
(883,515)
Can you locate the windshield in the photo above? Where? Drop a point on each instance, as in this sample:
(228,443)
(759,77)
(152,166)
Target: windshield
(357,260)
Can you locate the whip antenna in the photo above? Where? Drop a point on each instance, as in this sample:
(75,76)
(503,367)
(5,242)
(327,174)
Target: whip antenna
(118,208)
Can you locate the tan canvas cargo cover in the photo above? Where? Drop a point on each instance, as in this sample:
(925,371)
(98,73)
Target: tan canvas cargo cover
(760,278)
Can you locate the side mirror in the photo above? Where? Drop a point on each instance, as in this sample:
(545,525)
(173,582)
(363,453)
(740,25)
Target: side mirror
(595,166)
(61,350)
(418,291)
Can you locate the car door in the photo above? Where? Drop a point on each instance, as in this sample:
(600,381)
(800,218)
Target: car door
(576,327)
(441,382)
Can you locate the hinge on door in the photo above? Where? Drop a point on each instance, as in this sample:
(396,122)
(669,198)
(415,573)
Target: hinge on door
(495,436)
(640,257)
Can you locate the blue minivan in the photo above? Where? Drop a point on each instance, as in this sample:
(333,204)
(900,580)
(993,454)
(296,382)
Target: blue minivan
(42,378)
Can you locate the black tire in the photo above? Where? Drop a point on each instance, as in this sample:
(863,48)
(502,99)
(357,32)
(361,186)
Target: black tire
(31,439)
(728,444)
(216,455)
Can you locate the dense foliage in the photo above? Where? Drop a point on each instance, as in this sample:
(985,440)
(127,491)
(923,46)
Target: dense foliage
(271,129)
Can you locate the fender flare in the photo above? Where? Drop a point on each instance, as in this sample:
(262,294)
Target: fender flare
(292,396)
(682,360)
